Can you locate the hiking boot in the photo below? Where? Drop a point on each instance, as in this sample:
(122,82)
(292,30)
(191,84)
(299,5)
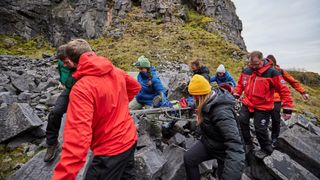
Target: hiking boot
(51,152)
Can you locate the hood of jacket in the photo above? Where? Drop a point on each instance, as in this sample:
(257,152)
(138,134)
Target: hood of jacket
(221,97)
(92,65)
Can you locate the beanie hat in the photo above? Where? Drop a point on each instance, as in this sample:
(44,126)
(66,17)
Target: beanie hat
(221,69)
(199,85)
(142,62)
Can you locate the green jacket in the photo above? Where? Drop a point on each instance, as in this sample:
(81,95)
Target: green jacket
(66,76)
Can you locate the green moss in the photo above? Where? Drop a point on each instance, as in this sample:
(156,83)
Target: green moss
(197,20)
(17,156)
(33,48)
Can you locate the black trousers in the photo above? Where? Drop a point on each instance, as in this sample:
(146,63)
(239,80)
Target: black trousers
(195,156)
(261,122)
(55,117)
(119,167)
(276,119)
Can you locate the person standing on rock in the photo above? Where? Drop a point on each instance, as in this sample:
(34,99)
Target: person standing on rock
(98,117)
(223,78)
(197,68)
(275,115)
(259,81)
(220,135)
(65,69)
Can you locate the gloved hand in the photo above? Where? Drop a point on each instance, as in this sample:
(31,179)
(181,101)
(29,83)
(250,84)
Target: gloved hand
(160,101)
(305,96)
(286,114)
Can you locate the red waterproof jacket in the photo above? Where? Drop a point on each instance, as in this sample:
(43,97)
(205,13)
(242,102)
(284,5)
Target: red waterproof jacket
(98,116)
(259,87)
(293,82)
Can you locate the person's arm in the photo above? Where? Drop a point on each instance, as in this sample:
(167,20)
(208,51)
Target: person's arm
(230,79)
(157,85)
(235,157)
(285,95)
(133,86)
(239,88)
(77,134)
(295,84)
(213,79)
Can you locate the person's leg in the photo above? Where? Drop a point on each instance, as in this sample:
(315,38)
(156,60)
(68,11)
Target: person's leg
(244,119)
(276,119)
(134,105)
(193,157)
(112,167)
(261,123)
(130,171)
(220,168)
(53,127)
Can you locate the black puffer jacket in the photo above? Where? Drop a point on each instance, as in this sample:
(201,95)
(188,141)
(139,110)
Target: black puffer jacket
(203,71)
(220,133)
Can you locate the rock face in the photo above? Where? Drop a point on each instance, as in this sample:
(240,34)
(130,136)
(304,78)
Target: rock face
(16,118)
(61,20)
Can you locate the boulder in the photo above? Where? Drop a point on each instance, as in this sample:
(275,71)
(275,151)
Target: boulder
(15,119)
(173,168)
(178,86)
(7,97)
(36,168)
(24,83)
(302,146)
(149,163)
(281,166)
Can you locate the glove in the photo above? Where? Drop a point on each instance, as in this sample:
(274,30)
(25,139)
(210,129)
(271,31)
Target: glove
(305,96)
(286,114)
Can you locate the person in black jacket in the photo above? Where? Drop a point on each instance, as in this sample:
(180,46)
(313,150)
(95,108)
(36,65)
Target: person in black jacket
(220,135)
(197,68)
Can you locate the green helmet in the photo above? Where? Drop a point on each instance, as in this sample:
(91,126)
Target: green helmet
(142,62)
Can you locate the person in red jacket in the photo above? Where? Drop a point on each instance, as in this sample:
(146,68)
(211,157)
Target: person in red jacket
(275,115)
(258,82)
(98,117)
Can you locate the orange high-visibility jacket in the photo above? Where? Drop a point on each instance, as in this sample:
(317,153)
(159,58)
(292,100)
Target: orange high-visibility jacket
(293,82)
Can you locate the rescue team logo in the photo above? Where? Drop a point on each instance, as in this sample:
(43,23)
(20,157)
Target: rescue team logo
(283,81)
(245,80)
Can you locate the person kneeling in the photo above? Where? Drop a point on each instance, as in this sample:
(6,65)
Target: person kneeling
(220,135)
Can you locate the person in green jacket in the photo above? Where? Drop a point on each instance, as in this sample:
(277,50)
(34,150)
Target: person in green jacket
(65,69)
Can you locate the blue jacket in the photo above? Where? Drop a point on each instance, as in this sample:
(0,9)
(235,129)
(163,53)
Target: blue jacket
(148,92)
(225,79)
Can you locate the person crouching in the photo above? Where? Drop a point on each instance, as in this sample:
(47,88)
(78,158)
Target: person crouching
(220,135)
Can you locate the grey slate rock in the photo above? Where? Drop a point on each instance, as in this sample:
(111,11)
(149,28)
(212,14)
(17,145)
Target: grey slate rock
(15,119)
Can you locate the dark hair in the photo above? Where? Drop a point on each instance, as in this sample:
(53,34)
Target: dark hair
(76,48)
(273,59)
(195,62)
(257,54)
(61,52)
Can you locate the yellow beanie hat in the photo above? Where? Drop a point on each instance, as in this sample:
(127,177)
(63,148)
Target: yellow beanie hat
(199,85)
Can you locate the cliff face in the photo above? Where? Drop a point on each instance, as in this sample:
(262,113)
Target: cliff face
(61,20)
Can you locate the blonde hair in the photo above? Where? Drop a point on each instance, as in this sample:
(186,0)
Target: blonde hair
(201,102)
(76,48)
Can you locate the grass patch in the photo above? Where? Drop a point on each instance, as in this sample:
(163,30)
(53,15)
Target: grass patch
(33,48)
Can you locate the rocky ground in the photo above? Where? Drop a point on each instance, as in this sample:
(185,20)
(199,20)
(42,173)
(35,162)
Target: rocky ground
(28,90)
